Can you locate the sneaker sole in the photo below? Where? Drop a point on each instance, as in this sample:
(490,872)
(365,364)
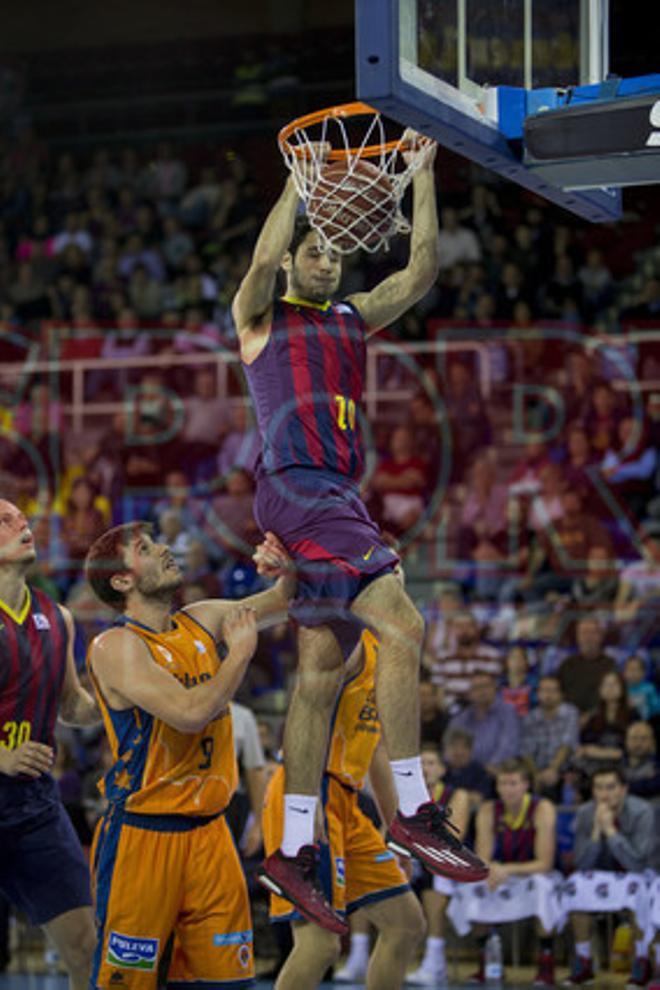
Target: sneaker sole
(336,927)
(440,866)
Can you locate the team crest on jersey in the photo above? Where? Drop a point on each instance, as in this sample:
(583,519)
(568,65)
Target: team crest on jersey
(41,620)
(340,871)
(244,956)
(200,646)
(131,952)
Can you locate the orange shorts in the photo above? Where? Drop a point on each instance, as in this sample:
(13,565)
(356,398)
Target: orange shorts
(357,868)
(173,877)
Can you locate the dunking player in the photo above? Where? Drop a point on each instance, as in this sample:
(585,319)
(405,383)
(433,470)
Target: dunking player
(164,859)
(359,871)
(304,359)
(43,870)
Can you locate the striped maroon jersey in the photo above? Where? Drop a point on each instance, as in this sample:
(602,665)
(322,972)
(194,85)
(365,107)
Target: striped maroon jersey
(33,651)
(515,845)
(306,386)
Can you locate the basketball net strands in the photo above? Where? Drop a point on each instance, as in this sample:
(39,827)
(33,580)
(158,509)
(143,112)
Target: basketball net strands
(352,188)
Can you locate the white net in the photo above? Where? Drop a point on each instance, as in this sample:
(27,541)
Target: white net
(352,189)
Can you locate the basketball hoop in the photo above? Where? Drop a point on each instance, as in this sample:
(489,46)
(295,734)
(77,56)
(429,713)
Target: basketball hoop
(352,190)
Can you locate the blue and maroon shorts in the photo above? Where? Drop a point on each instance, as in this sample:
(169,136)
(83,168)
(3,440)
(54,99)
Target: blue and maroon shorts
(43,870)
(325,527)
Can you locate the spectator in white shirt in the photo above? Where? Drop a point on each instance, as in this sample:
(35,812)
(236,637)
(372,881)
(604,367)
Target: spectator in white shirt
(457,243)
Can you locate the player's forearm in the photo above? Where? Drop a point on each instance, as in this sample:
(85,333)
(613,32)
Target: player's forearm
(255,783)
(277,230)
(272,606)
(208,700)
(79,708)
(424,244)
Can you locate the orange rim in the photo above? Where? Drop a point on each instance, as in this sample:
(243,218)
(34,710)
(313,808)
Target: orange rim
(335,154)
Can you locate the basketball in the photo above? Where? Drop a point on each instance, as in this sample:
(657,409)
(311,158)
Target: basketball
(353,204)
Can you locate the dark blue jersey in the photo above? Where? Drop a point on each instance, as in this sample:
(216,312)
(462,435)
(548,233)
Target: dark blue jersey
(306,386)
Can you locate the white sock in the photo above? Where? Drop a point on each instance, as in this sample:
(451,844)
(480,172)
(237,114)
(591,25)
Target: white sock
(299,811)
(583,949)
(434,955)
(641,949)
(359,951)
(410,786)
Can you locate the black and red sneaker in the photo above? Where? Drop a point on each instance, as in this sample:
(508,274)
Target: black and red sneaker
(582,973)
(427,835)
(641,974)
(545,973)
(295,878)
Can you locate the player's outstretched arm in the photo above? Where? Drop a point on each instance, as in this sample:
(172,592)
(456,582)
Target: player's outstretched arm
(270,606)
(77,707)
(255,294)
(128,676)
(396,294)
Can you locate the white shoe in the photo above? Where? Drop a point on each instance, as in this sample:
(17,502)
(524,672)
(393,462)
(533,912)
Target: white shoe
(353,971)
(424,977)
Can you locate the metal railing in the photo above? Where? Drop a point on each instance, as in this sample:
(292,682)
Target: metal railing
(395,371)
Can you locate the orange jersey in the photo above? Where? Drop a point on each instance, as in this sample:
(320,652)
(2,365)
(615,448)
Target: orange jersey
(157,769)
(355,730)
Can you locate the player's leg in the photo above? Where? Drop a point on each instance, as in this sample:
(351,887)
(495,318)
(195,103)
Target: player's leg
(419,827)
(314,951)
(139,880)
(45,875)
(74,936)
(387,609)
(582,970)
(318,679)
(401,926)
(213,931)
(545,969)
(433,967)
(290,871)
(355,968)
(642,967)
(377,887)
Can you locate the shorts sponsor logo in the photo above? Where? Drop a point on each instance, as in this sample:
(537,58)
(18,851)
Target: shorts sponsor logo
(340,871)
(131,952)
(116,977)
(244,956)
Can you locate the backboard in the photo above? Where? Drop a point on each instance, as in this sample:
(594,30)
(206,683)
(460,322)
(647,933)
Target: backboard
(475,73)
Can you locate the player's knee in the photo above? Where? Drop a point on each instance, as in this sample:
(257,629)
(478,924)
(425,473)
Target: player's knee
(404,623)
(413,922)
(325,947)
(319,687)
(406,925)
